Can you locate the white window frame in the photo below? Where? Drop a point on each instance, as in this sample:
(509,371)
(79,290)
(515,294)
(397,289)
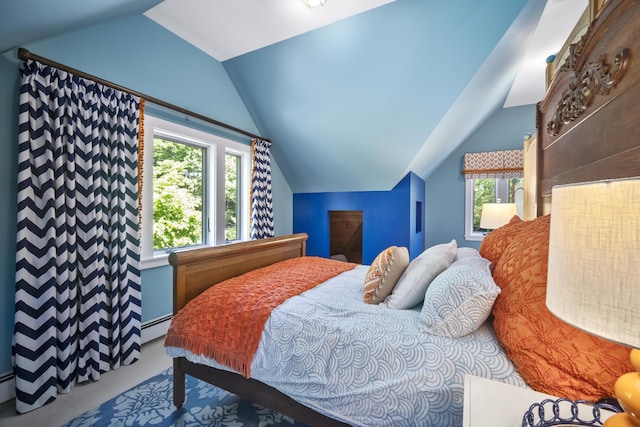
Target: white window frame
(214,203)
(502,192)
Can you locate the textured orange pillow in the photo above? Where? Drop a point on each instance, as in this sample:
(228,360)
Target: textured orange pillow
(552,356)
(496,241)
(384,272)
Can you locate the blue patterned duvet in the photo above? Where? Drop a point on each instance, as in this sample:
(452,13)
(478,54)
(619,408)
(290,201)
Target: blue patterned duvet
(367,365)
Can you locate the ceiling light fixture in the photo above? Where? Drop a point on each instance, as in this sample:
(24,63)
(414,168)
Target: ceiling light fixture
(313,3)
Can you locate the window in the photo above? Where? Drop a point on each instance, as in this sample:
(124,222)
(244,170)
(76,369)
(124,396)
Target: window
(232,213)
(195,190)
(491,176)
(489,190)
(179,182)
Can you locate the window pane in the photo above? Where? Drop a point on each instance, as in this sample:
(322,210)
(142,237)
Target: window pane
(231,190)
(484,191)
(178,194)
(516,190)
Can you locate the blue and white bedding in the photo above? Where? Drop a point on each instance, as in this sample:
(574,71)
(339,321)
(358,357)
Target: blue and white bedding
(368,365)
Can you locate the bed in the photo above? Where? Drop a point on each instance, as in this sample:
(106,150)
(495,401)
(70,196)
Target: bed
(583,135)
(341,360)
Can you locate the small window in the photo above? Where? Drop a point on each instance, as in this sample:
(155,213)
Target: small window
(195,190)
(489,190)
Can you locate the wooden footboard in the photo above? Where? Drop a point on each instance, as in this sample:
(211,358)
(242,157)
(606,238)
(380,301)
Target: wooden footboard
(196,270)
(199,269)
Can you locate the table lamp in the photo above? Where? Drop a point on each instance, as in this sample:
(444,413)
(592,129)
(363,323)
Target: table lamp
(495,215)
(594,271)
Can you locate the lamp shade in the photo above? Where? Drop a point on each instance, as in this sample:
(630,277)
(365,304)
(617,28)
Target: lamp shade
(594,258)
(495,215)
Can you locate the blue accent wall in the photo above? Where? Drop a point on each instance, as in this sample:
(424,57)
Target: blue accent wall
(388,217)
(445,187)
(136,53)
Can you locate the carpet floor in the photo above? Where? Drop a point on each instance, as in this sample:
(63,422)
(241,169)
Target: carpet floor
(150,403)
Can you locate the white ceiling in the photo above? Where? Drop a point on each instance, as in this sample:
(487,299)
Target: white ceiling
(228,28)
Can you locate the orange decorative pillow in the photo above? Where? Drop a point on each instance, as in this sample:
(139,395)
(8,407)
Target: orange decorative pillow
(552,356)
(384,272)
(496,241)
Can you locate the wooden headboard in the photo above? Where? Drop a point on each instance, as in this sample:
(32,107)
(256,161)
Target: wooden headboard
(589,120)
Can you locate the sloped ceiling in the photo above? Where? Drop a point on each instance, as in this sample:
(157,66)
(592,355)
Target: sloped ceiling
(368,91)
(27,21)
(353,97)
(349,106)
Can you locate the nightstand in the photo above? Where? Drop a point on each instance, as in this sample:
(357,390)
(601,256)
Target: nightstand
(495,404)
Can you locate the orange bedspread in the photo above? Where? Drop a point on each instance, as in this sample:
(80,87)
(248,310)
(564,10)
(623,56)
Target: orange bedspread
(225,322)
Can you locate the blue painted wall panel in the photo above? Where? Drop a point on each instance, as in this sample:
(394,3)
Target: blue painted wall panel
(388,217)
(416,205)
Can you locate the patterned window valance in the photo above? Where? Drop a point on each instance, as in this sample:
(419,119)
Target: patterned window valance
(494,164)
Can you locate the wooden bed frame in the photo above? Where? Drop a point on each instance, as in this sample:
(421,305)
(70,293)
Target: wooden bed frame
(196,270)
(588,129)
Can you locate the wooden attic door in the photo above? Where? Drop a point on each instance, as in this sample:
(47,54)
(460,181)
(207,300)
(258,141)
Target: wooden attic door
(345,234)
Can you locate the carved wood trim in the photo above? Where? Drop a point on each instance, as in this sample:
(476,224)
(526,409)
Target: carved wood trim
(598,78)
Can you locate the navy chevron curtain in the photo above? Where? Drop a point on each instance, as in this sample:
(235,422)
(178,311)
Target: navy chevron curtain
(77,261)
(261,199)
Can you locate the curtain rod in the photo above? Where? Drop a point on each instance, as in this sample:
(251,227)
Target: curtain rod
(25,54)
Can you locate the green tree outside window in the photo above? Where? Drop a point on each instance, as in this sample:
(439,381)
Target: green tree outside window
(178,194)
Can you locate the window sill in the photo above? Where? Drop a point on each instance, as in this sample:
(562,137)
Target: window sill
(474,237)
(156,261)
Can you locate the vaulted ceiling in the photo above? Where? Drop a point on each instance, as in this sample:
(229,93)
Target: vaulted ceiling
(353,94)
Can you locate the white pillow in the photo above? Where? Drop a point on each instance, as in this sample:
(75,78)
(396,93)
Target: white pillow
(460,299)
(410,289)
(466,252)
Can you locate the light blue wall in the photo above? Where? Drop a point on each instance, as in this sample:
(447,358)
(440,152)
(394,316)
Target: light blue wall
(282,201)
(445,187)
(9,78)
(139,54)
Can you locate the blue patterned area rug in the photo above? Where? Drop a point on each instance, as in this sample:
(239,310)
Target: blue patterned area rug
(150,403)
